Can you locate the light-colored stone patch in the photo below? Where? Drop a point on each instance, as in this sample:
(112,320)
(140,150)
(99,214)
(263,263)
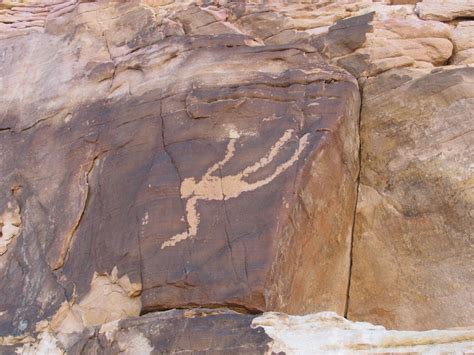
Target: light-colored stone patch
(110,298)
(109,329)
(462,38)
(129,341)
(216,188)
(444,10)
(132,342)
(46,344)
(14,340)
(10,221)
(326,332)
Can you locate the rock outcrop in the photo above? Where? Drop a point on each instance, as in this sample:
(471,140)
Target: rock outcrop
(463,44)
(223,332)
(443,10)
(192,165)
(295,157)
(412,256)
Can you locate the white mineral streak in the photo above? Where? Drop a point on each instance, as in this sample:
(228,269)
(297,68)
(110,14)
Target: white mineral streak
(328,333)
(215,187)
(46,344)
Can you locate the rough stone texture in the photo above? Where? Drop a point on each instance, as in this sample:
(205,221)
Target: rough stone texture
(20,18)
(412,257)
(394,37)
(462,37)
(224,332)
(10,222)
(364,38)
(196,167)
(159,153)
(445,10)
(186,331)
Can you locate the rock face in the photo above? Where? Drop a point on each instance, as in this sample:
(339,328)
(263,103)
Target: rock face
(394,37)
(443,10)
(462,39)
(193,166)
(223,332)
(412,256)
(164,154)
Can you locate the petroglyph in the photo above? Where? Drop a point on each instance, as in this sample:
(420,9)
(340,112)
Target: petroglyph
(211,187)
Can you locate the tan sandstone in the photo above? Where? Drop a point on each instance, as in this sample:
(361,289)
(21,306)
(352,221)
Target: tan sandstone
(412,255)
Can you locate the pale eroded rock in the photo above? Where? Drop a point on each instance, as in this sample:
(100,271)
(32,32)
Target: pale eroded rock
(445,10)
(221,331)
(412,255)
(395,37)
(10,221)
(463,41)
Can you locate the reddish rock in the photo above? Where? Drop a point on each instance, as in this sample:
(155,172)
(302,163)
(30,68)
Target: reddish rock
(173,169)
(412,257)
(160,153)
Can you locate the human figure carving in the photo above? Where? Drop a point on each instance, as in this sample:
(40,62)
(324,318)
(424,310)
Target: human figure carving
(211,187)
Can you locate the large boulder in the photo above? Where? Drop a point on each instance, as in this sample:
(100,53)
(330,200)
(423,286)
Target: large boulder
(445,10)
(463,44)
(170,170)
(220,331)
(412,255)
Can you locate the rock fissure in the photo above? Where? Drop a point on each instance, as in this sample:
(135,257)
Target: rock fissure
(351,251)
(258,196)
(69,239)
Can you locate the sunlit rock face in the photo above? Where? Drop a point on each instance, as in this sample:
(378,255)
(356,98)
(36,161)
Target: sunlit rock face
(222,331)
(463,44)
(193,165)
(412,256)
(297,157)
(442,10)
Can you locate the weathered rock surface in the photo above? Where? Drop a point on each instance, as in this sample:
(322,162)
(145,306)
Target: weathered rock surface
(445,10)
(412,255)
(462,37)
(190,166)
(158,154)
(380,37)
(20,18)
(223,332)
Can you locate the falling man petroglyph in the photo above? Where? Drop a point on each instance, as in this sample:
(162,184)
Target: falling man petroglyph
(212,187)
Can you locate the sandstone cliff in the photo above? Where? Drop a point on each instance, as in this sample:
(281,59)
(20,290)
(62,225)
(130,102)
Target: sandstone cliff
(236,176)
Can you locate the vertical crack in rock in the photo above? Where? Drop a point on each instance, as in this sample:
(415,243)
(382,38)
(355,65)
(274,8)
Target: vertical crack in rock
(174,165)
(68,242)
(346,308)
